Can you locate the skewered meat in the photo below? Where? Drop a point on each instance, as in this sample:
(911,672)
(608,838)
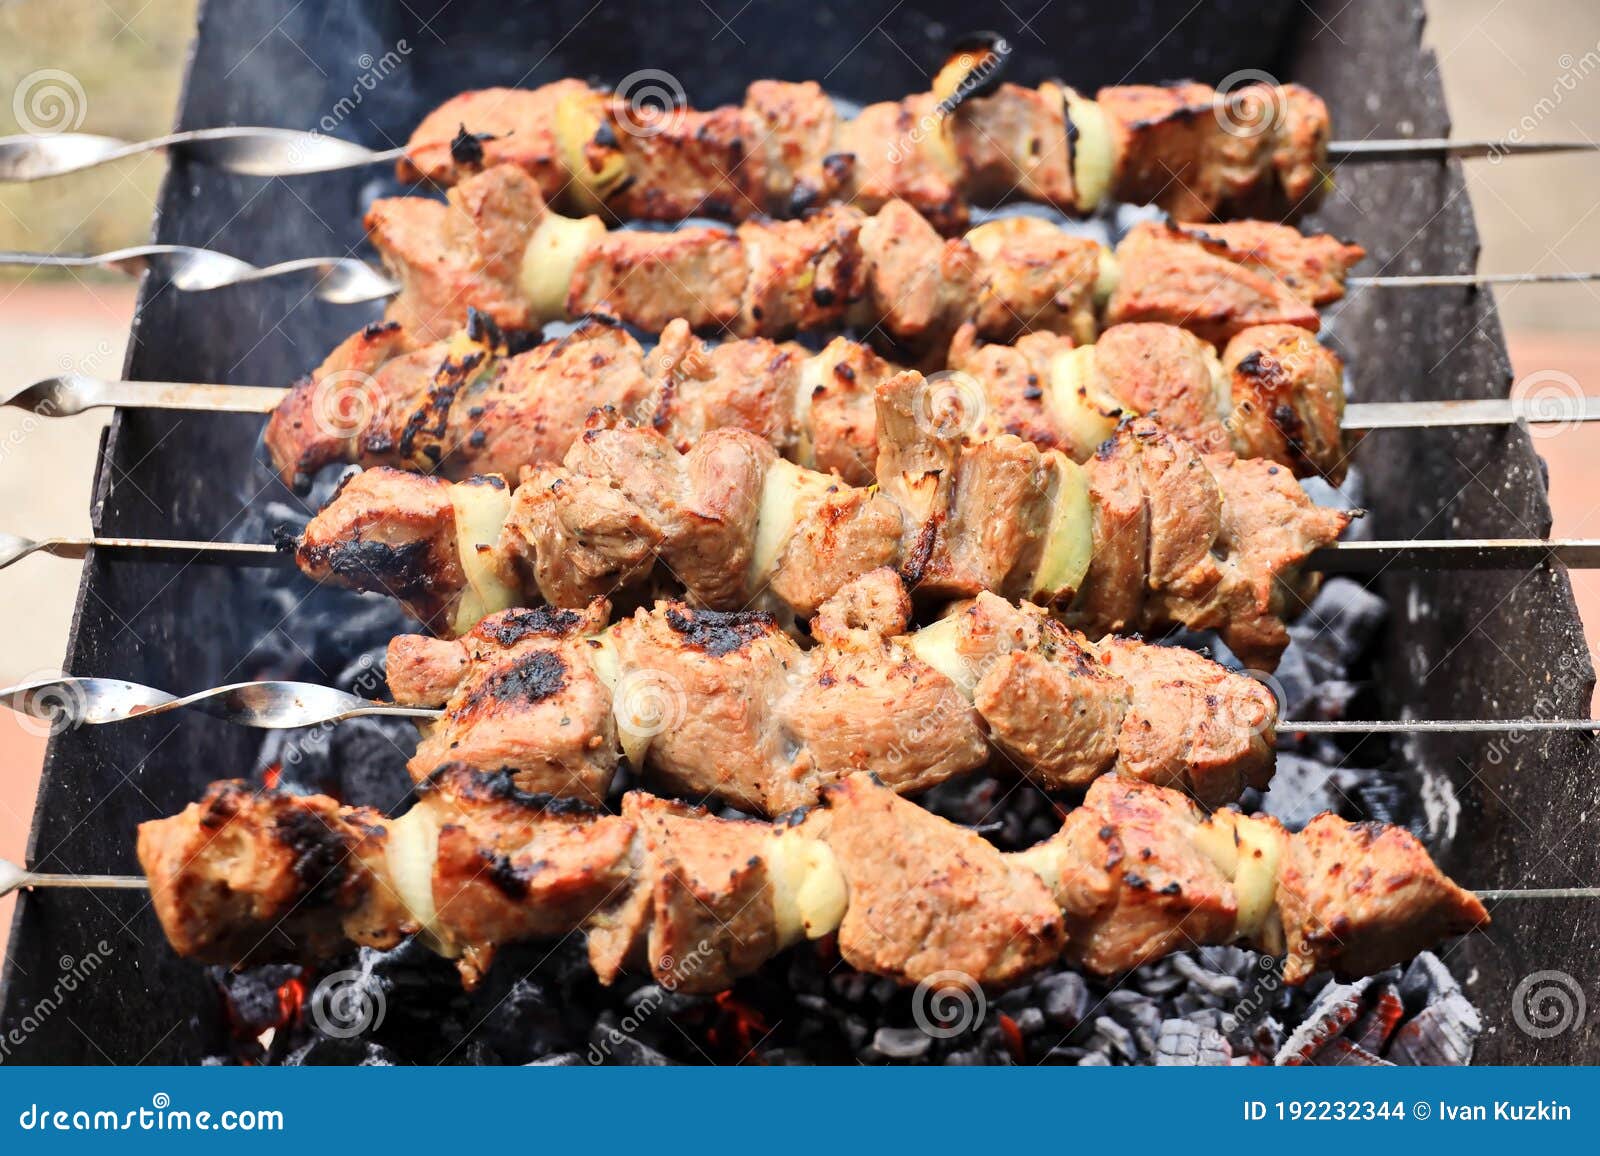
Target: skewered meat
(1198,153)
(248,877)
(724,704)
(496,247)
(1148,533)
(1275,393)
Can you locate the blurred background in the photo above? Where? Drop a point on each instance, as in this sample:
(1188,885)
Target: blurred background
(1533,65)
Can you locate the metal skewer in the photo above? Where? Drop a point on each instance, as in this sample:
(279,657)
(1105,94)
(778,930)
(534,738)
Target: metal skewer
(348,281)
(73,393)
(283,152)
(14,549)
(14,878)
(1438,148)
(1339,558)
(338,280)
(255,152)
(72,701)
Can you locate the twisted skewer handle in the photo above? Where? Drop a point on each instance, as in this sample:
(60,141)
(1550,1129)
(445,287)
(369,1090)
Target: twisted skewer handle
(337,280)
(71,701)
(256,152)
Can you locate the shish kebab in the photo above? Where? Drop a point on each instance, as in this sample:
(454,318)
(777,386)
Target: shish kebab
(1049,144)
(496,246)
(245,877)
(1273,393)
(727,705)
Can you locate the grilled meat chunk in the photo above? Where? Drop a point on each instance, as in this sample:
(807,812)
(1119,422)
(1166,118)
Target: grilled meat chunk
(1357,897)
(243,877)
(524,697)
(928,897)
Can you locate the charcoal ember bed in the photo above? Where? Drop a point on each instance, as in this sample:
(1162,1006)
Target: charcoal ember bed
(1450,648)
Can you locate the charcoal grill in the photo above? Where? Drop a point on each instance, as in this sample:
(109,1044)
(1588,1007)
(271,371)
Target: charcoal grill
(1494,645)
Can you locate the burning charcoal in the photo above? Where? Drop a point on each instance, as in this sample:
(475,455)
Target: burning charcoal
(1065,997)
(654,1000)
(371,758)
(965,1059)
(608,1043)
(901,1043)
(1426,981)
(1443,1033)
(1341,1052)
(1384,1013)
(1301,789)
(557,1060)
(1200,974)
(1139,1014)
(1113,1037)
(1029,1021)
(1095,1060)
(1182,1042)
(332,1051)
(525,1023)
(1334,1011)
(1343,620)
(477,1054)
(253,998)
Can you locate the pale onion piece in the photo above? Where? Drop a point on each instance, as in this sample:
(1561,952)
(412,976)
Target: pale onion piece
(550,259)
(987,238)
(785,489)
(1107,277)
(939,645)
(1044,860)
(1085,415)
(411,849)
(1216,840)
(1093,156)
(603,656)
(809,893)
(1069,543)
(579,117)
(814,372)
(480,510)
(1255,883)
